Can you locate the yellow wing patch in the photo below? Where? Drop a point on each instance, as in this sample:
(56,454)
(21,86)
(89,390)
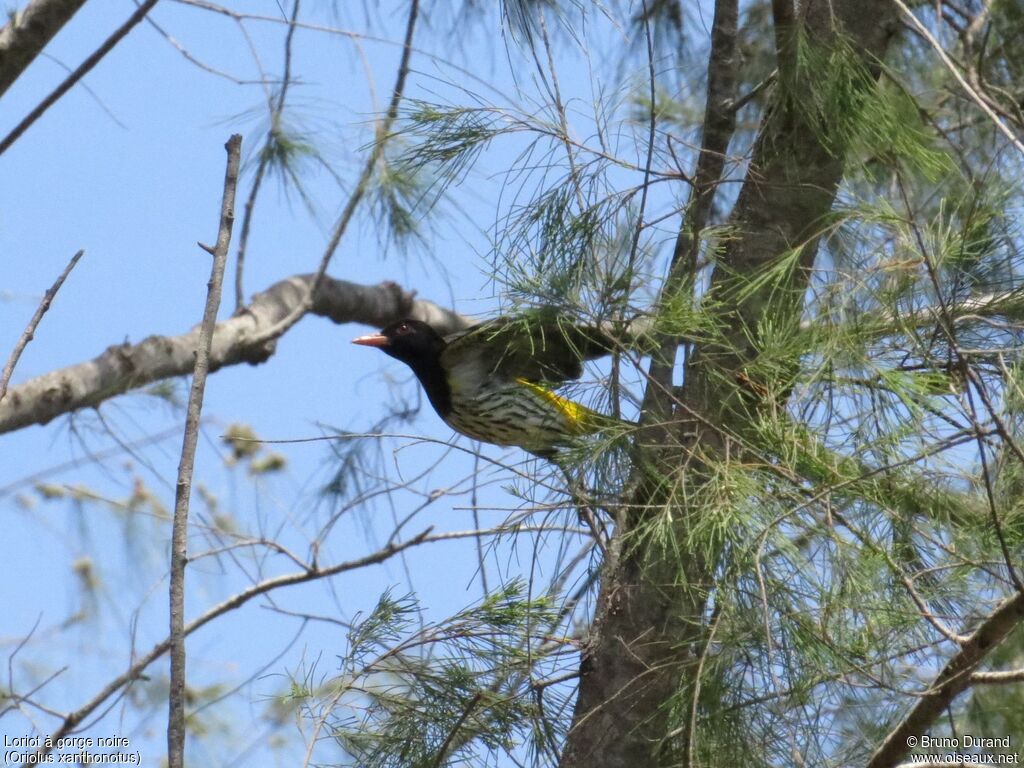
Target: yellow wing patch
(579,418)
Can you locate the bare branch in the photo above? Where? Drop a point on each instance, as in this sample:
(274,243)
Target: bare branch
(1008,304)
(183,489)
(81,71)
(30,329)
(276,109)
(194,60)
(236,340)
(28,32)
(1002,677)
(313,573)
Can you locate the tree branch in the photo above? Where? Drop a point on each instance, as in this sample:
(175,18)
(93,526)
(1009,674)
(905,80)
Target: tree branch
(30,329)
(236,340)
(383,133)
(134,672)
(183,488)
(83,69)
(952,680)
(28,32)
(1001,677)
(880,323)
(276,106)
(948,64)
(784,17)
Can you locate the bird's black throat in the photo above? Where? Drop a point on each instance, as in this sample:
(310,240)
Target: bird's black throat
(432,376)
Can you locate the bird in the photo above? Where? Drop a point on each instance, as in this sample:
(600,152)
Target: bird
(493,382)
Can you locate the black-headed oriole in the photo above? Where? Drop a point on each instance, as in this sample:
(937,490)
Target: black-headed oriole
(491,383)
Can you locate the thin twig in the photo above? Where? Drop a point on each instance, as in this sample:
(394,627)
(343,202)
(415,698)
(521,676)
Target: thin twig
(311,573)
(442,753)
(691,725)
(85,87)
(30,330)
(555,93)
(276,108)
(81,71)
(481,562)
(948,63)
(362,184)
(947,328)
(179,530)
(651,132)
(189,57)
(383,133)
(919,602)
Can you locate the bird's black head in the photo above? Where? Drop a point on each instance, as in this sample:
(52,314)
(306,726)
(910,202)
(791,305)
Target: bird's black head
(413,342)
(419,346)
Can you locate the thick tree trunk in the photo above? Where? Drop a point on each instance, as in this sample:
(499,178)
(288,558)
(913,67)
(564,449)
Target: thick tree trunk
(649,630)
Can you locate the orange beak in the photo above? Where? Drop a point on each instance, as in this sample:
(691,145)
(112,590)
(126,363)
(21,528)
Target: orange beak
(372,340)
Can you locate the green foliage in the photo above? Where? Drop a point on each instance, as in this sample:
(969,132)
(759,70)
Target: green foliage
(836,496)
(1004,43)
(440,694)
(290,152)
(246,447)
(521,16)
(396,194)
(444,142)
(835,93)
(557,254)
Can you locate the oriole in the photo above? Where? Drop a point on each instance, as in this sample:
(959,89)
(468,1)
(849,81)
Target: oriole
(491,383)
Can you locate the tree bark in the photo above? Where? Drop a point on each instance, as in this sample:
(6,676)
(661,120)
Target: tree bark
(186,466)
(954,678)
(648,632)
(28,32)
(236,340)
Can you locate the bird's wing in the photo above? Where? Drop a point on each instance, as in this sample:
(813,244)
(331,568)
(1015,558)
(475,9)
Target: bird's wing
(537,347)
